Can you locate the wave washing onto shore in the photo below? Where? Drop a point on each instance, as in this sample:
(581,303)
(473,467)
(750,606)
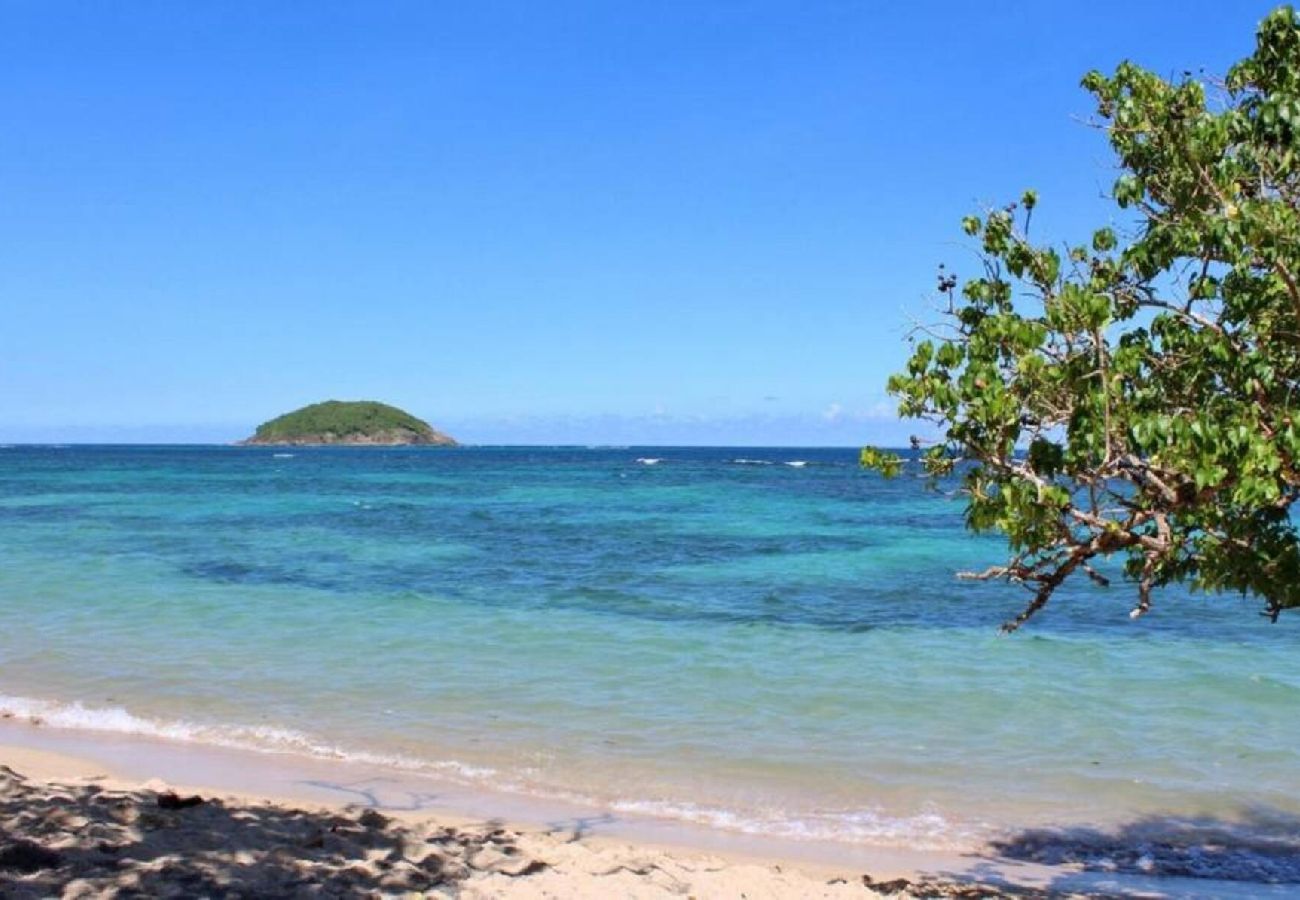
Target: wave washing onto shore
(1262,852)
(929,831)
(258,738)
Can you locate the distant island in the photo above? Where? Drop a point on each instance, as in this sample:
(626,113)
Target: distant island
(348,423)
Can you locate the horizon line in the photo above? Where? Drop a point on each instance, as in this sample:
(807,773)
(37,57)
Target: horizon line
(459,446)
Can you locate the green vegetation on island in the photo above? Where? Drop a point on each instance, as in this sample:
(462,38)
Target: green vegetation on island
(1138,394)
(356,422)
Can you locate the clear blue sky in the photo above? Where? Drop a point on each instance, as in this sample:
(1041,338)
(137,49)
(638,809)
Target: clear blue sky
(527,222)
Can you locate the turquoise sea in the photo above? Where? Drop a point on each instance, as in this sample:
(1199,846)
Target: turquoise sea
(765,640)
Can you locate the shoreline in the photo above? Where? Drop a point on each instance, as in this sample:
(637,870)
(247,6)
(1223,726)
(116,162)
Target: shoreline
(271,843)
(473,781)
(571,840)
(287,778)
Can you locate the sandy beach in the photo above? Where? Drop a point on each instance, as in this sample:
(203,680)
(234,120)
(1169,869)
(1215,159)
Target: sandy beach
(68,829)
(76,824)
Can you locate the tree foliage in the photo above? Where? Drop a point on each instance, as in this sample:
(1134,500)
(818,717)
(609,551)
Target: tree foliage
(1135,395)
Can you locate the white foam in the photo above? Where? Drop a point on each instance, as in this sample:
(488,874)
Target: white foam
(282,456)
(752,462)
(260,738)
(649,460)
(797,463)
(929,830)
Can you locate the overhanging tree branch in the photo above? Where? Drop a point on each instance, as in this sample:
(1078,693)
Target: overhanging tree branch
(1133,401)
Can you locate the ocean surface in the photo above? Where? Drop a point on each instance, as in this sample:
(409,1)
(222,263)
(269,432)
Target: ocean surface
(765,640)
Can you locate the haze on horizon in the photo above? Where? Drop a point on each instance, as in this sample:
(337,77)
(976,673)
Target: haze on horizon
(676,223)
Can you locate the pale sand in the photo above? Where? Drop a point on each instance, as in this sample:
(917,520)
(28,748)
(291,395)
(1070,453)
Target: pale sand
(70,829)
(85,800)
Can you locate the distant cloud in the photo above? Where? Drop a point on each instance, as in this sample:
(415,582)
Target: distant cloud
(833,412)
(883,409)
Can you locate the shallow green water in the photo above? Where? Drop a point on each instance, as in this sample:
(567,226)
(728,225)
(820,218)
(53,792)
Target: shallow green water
(776,648)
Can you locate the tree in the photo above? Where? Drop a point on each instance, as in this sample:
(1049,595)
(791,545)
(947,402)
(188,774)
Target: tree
(1138,396)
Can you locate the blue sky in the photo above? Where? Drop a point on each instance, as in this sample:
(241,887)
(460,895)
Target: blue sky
(527,222)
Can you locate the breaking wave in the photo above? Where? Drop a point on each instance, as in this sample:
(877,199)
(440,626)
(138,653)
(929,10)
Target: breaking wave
(929,831)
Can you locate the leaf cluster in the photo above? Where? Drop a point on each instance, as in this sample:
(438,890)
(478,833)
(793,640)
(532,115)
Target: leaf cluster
(1133,394)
